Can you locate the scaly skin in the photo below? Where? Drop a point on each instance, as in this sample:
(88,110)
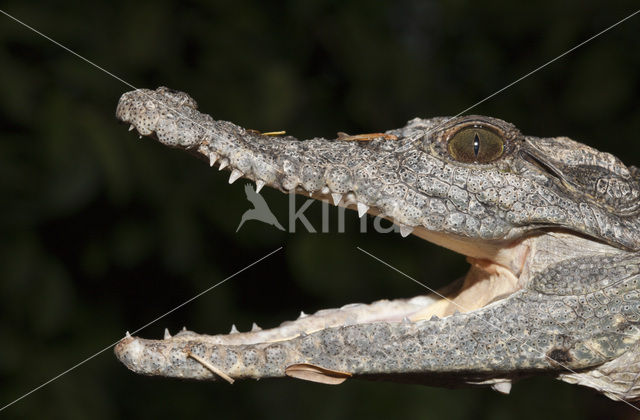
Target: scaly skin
(551,229)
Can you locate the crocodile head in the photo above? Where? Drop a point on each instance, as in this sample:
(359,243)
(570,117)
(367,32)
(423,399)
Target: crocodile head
(550,227)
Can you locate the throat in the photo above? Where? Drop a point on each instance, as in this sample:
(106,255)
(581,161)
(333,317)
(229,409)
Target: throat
(486,282)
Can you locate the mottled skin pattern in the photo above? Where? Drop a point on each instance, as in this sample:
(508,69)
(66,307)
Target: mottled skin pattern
(551,228)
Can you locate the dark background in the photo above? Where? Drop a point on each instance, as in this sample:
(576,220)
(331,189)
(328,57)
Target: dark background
(101,233)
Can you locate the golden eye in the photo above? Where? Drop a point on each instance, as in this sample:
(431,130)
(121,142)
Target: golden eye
(476,145)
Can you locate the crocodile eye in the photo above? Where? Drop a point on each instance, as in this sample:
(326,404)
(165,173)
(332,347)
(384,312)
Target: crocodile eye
(475,145)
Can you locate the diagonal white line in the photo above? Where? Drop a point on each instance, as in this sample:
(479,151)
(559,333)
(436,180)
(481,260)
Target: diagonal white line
(442,124)
(67,49)
(522,342)
(138,330)
(607,29)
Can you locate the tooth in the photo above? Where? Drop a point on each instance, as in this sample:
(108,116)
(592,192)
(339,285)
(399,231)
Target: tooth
(310,194)
(406,320)
(184,328)
(167,335)
(255,328)
(235,174)
(223,164)
(131,127)
(362,209)
(325,190)
(502,387)
(302,315)
(127,335)
(336,198)
(139,136)
(212,158)
(405,231)
(434,318)
(259,185)
(234,330)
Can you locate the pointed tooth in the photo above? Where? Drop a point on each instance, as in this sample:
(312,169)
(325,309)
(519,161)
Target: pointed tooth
(325,190)
(406,320)
(434,318)
(167,335)
(235,174)
(212,158)
(405,231)
(234,330)
(139,136)
(127,334)
(184,328)
(302,315)
(336,198)
(131,127)
(362,209)
(223,164)
(259,184)
(255,328)
(310,193)
(502,387)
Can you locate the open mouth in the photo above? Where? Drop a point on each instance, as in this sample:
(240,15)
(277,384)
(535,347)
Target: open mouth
(486,283)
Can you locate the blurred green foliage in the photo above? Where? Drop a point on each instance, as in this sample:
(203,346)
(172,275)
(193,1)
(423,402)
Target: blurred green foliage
(100,232)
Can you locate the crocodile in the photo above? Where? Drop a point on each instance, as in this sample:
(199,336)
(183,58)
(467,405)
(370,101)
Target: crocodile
(549,226)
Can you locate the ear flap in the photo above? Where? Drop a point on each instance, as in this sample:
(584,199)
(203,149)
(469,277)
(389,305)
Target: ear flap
(589,174)
(601,191)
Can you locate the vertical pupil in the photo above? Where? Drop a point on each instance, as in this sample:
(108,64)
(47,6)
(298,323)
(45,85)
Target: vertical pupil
(476,144)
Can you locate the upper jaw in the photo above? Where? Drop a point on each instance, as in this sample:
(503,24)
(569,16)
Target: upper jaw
(398,179)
